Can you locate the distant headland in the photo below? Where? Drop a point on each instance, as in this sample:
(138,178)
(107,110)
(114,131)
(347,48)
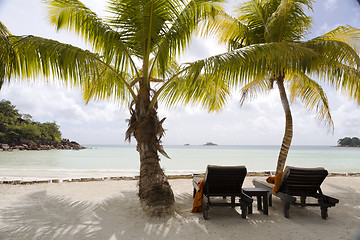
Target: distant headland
(19,131)
(206,144)
(349,142)
(210,144)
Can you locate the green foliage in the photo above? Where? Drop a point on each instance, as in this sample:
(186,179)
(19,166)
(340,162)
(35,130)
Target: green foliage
(16,127)
(349,142)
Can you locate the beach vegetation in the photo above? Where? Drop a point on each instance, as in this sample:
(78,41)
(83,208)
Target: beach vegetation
(17,128)
(349,142)
(267,46)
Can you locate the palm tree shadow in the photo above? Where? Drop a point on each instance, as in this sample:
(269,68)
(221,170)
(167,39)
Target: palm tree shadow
(123,218)
(42,216)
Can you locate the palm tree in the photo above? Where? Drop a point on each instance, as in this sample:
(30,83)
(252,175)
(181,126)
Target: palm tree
(132,62)
(266,45)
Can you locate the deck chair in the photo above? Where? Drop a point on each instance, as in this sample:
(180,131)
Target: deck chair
(223,181)
(303,183)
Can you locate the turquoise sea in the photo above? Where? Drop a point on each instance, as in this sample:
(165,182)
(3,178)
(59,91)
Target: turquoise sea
(102,161)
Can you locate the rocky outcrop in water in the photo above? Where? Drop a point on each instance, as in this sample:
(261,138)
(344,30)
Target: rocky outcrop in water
(46,145)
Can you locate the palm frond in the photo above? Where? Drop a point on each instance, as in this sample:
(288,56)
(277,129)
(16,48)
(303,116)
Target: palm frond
(311,94)
(143,23)
(73,15)
(340,45)
(256,61)
(289,22)
(253,88)
(228,30)
(209,91)
(183,26)
(38,56)
(345,34)
(106,86)
(342,77)
(3,30)
(7,55)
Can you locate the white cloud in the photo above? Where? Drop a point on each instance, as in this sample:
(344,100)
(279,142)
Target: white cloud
(330,5)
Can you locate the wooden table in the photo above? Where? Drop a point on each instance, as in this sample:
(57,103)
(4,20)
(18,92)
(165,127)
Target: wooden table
(262,196)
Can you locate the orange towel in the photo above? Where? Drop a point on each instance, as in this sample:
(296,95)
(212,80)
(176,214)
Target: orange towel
(198,203)
(275,180)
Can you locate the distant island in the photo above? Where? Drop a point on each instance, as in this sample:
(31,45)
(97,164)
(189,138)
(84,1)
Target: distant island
(349,142)
(19,131)
(210,144)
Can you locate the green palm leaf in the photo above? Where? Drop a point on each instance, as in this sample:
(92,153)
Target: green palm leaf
(73,15)
(253,88)
(39,56)
(178,36)
(256,61)
(311,95)
(209,92)
(7,55)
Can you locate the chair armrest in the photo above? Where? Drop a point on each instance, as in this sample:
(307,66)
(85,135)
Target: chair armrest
(326,199)
(246,198)
(285,196)
(330,199)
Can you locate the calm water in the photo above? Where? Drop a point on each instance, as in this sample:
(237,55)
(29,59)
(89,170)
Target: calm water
(124,160)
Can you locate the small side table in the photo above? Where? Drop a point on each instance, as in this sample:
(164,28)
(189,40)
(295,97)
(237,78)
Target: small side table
(259,193)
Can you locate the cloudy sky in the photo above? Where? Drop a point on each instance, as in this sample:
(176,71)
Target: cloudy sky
(259,122)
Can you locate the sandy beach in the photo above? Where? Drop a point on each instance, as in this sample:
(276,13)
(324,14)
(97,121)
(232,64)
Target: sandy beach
(111,210)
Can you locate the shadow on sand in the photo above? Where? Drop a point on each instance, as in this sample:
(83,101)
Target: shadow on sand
(43,216)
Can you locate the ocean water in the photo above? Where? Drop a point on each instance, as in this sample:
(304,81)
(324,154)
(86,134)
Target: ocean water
(101,161)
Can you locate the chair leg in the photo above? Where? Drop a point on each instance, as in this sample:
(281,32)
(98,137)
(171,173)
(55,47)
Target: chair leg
(243,211)
(286,205)
(303,201)
(259,203)
(250,208)
(206,207)
(324,212)
(265,205)
(270,200)
(206,212)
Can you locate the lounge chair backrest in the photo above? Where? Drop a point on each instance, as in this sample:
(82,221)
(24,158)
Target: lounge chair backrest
(302,180)
(224,179)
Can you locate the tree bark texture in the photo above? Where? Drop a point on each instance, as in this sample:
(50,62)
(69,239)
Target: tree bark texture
(285,146)
(155,192)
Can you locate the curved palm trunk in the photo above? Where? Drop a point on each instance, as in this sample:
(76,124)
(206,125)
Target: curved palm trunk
(288,126)
(155,192)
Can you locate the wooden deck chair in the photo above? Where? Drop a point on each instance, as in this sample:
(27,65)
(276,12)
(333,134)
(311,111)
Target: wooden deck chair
(303,183)
(223,181)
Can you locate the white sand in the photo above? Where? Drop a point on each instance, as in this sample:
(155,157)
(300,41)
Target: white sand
(110,210)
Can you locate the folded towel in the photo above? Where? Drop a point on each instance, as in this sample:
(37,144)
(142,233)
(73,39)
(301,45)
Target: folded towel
(275,180)
(198,203)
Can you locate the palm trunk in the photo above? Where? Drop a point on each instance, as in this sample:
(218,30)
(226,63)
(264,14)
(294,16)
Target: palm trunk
(155,192)
(288,126)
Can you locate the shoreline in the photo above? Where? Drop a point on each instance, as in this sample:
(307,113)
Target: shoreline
(37,180)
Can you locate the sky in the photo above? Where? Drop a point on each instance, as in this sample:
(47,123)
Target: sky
(258,122)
